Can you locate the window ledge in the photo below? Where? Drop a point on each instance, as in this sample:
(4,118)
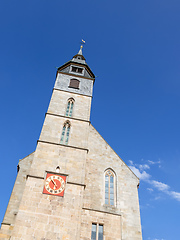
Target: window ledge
(108,211)
(109,207)
(73,87)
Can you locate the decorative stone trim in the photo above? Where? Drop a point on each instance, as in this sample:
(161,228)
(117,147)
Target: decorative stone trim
(3,223)
(32,176)
(72,92)
(72,74)
(77,119)
(102,211)
(60,144)
(78,184)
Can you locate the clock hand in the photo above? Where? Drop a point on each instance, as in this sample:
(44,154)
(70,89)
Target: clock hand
(55,185)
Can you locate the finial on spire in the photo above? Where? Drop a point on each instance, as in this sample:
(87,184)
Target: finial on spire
(81,47)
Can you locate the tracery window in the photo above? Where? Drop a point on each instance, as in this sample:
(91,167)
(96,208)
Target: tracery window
(97,231)
(109,187)
(65,133)
(69,108)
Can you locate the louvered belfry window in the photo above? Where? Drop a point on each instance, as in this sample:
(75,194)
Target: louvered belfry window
(77,69)
(74,83)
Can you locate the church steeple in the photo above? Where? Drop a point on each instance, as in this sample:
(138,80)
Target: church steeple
(77,66)
(74,186)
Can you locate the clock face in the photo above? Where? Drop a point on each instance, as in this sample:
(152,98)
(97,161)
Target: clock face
(54,184)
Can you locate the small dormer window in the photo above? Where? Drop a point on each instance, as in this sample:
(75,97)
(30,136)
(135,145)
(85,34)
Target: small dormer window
(77,69)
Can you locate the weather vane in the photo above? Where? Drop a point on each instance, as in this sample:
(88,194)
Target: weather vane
(82,43)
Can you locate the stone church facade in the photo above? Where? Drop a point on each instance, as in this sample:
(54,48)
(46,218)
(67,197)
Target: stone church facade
(74,186)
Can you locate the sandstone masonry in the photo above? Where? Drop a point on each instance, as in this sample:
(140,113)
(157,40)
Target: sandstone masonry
(91,198)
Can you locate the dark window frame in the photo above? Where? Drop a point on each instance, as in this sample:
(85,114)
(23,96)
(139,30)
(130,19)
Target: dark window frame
(74,83)
(77,70)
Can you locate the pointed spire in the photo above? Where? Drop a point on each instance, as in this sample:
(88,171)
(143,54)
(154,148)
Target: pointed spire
(81,47)
(78,60)
(79,56)
(80,50)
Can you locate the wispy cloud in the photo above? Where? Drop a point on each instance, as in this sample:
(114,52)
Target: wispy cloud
(141,175)
(139,170)
(175,195)
(156,238)
(150,189)
(154,162)
(165,189)
(144,166)
(159,185)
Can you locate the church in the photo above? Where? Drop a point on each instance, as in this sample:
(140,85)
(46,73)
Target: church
(73,186)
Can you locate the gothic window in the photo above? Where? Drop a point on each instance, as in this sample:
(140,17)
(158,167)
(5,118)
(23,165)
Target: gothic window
(69,108)
(74,83)
(109,187)
(65,133)
(97,231)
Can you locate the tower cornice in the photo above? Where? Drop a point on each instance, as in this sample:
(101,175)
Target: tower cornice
(77,64)
(74,75)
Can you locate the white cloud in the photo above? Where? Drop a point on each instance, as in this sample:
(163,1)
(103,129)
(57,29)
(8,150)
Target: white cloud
(141,175)
(144,166)
(175,195)
(131,162)
(157,198)
(160,186)
(156,238)
(150,189)
(165,189)
(153,162)
(140,166)
(139,170)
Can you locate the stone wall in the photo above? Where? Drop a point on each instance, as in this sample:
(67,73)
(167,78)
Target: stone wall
(85,86)
(81,109)
(101,157)
(38,216)
(16,195)
(46,217)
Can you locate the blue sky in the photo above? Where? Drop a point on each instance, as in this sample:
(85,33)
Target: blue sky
(133,49)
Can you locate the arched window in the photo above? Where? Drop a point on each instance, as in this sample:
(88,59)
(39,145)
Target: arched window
(65,133)
(69,108)
(109,187)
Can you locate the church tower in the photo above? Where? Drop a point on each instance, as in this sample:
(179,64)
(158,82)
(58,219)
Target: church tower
(74,186)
